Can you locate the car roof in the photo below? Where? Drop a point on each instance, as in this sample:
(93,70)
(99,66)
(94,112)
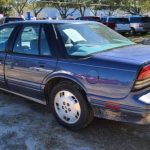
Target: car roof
(53,22)
(90,16)
(138,16)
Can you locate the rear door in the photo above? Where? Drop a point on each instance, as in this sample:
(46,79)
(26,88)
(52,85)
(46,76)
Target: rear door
(32,59)
(5,32)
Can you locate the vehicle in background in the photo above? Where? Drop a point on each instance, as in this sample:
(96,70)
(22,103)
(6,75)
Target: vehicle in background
(89,18)
(10,19)
(97,19)
(122,25)
(111,25)
(139,24)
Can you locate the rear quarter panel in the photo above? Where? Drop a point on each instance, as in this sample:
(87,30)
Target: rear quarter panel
(98,78)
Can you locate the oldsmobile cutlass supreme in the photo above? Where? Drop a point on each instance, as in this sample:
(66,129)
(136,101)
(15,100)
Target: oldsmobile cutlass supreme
(79,69)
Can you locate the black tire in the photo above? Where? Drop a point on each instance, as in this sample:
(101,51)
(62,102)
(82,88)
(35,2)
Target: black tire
(133,32)
(144,33)
(86,115)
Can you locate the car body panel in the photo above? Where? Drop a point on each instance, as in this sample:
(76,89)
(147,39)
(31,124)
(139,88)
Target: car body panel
(106,77)
(2,77)
(28,75)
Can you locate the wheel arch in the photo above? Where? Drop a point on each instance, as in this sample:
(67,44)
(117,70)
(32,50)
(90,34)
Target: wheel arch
(51,82)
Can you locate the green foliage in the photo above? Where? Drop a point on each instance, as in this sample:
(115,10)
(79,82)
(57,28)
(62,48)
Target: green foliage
(36,6)
(136,7)
(19,5)
(63,6)
(5,7)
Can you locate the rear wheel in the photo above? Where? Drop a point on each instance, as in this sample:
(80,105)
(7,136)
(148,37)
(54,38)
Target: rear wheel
(69,106)
(133,32)
(144,33)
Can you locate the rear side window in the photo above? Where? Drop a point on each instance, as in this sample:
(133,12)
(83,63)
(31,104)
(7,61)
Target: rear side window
(140,19)
(32,41)
(5,33)
(27,41)
(119,20)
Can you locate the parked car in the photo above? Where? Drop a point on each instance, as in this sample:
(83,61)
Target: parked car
(122,24)
(10,19)
(139,24)
(111,25)
(79,69)
(97,19)
(89,18)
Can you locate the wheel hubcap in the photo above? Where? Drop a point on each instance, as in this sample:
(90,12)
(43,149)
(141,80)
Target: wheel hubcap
(67,107)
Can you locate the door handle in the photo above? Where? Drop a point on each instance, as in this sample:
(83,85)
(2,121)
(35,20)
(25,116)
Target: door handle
(41,66)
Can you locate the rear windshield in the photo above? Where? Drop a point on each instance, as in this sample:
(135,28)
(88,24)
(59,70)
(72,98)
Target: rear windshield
(86,39)
(140,20)
(8,20)
(119,20)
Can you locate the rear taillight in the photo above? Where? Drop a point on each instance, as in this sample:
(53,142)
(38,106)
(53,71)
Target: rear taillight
(143,79)
(140,25)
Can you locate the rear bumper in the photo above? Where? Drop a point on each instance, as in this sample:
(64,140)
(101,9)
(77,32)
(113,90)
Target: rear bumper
(128,109)
(122,115)
(141,30)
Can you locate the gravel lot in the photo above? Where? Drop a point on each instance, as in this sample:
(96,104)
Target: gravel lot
(26,125)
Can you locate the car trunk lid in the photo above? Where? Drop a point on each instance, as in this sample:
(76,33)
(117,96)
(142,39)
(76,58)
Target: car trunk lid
(138,54)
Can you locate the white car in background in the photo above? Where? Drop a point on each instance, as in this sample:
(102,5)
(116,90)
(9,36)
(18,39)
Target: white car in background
(139,24)
(122,25)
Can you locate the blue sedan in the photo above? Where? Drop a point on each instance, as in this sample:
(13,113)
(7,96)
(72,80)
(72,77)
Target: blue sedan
(79,69)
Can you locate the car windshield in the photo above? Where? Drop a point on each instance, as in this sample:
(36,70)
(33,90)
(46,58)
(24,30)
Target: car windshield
(119,20)
(140,20)
(85,39)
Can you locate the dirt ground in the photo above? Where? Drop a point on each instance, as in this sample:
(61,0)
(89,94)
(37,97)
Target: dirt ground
(26,125)
(144,39)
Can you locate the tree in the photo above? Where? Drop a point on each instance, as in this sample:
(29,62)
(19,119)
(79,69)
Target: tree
(37,6)
(111,6)
(64,7)
(95,6)
(5,7)
(146,5)
(19,5)
(136,7)
(81,6)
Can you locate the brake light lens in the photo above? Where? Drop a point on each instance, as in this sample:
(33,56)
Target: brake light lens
(143,79)
(140,25)
(145,73)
